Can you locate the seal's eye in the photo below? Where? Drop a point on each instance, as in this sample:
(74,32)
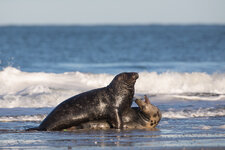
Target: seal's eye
(121,77)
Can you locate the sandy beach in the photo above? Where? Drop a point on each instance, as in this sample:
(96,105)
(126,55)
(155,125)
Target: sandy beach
(112,139)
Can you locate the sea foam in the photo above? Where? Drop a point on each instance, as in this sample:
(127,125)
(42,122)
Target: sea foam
(40,89)
(194,113)
(170,114)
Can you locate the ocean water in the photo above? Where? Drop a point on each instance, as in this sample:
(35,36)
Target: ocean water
(181,69)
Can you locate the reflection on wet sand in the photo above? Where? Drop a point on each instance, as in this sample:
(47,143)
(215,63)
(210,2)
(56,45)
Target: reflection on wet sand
(106,138)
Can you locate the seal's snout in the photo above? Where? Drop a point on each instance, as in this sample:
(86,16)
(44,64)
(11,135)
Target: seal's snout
(135,75)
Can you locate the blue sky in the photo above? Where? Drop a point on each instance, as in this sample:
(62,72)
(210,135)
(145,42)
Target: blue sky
(19,12)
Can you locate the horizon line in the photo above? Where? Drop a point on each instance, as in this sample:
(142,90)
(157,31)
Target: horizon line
(115,24)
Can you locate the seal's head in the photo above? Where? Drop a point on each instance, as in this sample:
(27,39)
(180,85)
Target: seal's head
(125,78)
(149,112)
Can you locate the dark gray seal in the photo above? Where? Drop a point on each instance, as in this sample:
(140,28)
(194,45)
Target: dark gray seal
(104,103)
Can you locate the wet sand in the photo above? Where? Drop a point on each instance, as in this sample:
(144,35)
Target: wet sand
(111,139)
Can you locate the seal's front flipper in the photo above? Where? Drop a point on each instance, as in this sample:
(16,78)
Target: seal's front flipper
(147,101)
(115,119)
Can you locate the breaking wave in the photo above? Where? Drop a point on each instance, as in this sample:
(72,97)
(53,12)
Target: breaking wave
(39,89)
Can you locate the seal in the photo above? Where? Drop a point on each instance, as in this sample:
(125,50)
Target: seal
(104,103)
(146,116)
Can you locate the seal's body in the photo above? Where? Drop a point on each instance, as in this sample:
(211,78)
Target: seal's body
(104,103)
(146,116)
